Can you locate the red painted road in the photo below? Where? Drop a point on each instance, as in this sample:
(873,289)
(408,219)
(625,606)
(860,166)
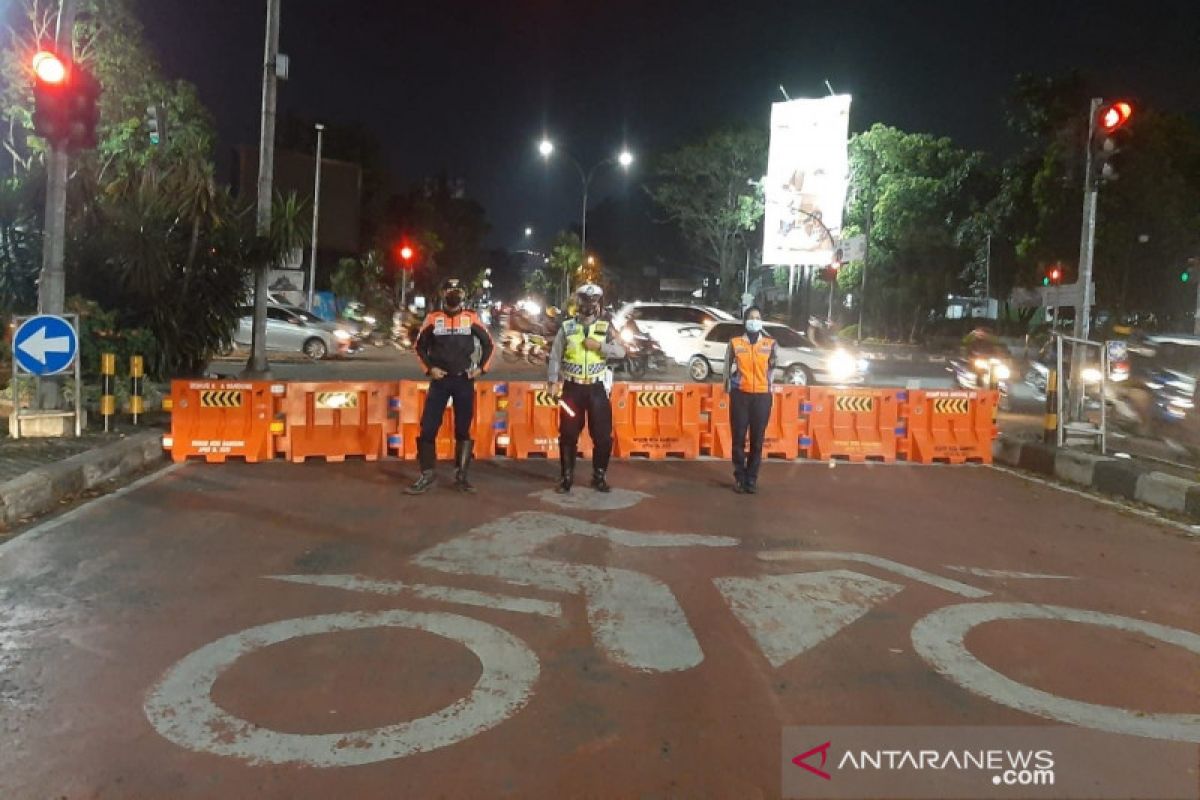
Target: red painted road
(594,654)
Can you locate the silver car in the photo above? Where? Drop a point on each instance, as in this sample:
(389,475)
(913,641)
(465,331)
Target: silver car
(295,330)
(800,362)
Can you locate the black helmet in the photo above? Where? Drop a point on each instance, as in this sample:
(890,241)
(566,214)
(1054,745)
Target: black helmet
(453,293)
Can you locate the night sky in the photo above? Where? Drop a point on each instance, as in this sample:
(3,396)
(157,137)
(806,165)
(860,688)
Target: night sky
(469,86)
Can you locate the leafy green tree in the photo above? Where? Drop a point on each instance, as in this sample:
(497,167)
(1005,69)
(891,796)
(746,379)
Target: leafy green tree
(704,188)
(925,196)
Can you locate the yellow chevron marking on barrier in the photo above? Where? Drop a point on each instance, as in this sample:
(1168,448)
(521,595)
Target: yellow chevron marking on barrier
(856,403)
(220,399)
(656,399)
(544,399)
(336,400)
(951,406)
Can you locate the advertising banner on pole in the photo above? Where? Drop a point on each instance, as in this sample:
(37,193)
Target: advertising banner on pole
(807,175)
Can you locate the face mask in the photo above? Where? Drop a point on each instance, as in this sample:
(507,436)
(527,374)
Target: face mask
(754,326)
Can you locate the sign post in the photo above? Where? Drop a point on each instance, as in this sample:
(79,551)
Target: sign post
(42,346)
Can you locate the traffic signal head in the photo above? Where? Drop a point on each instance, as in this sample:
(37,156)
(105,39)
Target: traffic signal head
(65,102)
(406,253)
(156,123)
(1056,275)
(1110,135)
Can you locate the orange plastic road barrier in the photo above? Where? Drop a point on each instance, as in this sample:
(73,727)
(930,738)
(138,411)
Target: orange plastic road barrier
(530,423)
(657,420)
(410,404)
(216,420)
(852,424)
(951,427)
(784,431)
(336,420)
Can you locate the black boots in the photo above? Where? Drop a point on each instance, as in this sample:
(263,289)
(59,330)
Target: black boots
(426,457)
(462,463)
(566,461)
(598,482)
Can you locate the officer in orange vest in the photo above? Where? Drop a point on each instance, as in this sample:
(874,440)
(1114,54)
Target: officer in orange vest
(446,347)
(749,365)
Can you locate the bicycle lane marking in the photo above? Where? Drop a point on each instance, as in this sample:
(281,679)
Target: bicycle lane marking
(939,639)
(181,709)
(635,619)
(447,594)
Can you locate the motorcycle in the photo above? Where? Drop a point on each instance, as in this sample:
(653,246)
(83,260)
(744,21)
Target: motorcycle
(642,353)
(531,347)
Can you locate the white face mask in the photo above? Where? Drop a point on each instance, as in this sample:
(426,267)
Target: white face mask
(754,326)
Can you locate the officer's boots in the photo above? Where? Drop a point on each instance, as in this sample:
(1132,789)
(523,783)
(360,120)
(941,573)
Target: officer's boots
(598,481)
(566,460)
(463,452)
(427,458)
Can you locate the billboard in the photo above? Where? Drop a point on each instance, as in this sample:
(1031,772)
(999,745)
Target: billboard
(807,174)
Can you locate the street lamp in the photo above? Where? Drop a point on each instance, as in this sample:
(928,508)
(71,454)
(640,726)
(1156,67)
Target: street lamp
(528,232)
(624,159)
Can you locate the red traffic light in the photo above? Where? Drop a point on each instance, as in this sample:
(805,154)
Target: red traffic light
(1115,115)
(1055,275)
(406,253)
(49,68)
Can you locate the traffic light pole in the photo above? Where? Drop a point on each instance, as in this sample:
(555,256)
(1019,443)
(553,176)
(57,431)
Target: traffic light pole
(316,225)
(258,366)
(1087,250)
(52,284)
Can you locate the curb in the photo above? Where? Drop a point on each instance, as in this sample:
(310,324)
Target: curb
(42,489)
(1112,476)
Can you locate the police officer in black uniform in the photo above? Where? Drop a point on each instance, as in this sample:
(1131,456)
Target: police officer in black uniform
(446,347)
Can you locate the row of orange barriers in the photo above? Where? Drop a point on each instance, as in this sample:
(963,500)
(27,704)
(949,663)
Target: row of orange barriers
(259,421)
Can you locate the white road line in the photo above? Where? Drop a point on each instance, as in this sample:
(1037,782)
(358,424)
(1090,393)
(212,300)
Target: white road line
(37,531)
(587,500)
(635,618)
(182,710)
(448,594)
(790,614)
(980,572)
(939,639)
(936,581)
(1191,530)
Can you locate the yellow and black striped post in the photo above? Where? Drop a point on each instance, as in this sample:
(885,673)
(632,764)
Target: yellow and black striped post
(137,374)
(108,384)
(1050,431)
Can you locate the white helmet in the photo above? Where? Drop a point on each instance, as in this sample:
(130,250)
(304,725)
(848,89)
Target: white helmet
(590,290)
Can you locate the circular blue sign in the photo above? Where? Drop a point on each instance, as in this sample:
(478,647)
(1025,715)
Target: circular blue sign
(45,345)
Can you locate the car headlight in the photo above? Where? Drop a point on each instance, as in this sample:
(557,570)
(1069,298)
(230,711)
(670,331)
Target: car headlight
(369,320)
(981,363)
(341,335)
(1001,372)
(627,336)
(1091,375)
(842,365)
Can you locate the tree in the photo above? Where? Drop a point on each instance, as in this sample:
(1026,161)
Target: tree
(703,187)
(925,197)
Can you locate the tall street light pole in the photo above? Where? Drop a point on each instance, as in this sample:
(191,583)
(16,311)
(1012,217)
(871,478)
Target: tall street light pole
(258,367)
(624,159)
(316,225)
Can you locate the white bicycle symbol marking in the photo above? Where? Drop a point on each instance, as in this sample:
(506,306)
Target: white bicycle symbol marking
(636,621)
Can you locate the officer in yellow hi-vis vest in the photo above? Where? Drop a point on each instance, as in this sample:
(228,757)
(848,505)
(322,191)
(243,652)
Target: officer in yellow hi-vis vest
(749,364)
(579,375)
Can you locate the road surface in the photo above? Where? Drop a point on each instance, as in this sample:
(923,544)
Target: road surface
(308,631)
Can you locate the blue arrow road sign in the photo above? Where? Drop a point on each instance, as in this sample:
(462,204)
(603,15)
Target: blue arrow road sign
(45,345)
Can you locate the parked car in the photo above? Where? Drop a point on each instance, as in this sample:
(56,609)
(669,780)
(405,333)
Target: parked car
(292,329)
(664,321)
(799,362)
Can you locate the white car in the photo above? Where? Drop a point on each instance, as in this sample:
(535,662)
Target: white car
(292,329)
(798,360)
(665,321)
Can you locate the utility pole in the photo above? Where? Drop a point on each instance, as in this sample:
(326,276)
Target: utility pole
(987,280)
(312,265)
(52,284)
(1087,251)
(258,366)
(862,302)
